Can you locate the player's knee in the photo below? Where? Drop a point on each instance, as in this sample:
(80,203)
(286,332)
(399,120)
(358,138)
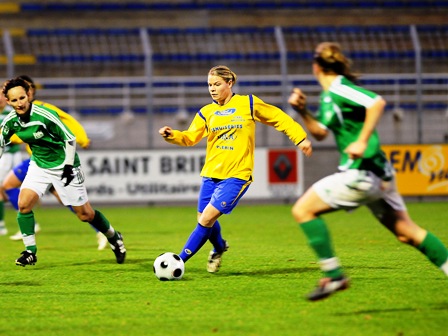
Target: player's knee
(300,214)
(25,208)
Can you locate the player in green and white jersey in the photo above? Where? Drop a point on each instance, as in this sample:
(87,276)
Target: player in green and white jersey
(365,176)
(54,162)
(11,157)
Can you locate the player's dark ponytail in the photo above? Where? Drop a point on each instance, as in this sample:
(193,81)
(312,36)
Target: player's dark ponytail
(330,58)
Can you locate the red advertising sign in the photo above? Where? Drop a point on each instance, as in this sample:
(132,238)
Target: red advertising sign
(283,166)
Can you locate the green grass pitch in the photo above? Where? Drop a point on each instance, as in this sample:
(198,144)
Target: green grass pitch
(74,289)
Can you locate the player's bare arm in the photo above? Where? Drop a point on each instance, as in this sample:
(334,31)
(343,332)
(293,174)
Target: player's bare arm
(306,147)
(297,100)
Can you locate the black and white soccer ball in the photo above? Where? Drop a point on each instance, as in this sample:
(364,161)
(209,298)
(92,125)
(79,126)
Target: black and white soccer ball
(169,266)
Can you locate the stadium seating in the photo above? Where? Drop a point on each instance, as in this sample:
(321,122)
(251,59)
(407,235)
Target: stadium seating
(99,72)
(118,52)
(110,5)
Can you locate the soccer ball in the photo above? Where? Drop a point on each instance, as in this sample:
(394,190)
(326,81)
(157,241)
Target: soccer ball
(169,266)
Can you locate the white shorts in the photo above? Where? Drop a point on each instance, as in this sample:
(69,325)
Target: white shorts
(40,180)
(7,162)
(352,188)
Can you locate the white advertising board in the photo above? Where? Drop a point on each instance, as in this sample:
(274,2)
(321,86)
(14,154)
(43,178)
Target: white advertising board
(174,175)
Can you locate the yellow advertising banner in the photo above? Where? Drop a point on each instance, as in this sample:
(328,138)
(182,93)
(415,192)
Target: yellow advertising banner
(422,170)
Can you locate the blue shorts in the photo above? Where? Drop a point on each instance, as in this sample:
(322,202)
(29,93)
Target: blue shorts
(21,169)
(222,194)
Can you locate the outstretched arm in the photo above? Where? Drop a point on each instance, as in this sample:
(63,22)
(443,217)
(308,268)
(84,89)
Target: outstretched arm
(306,147)
(166,131)
(190,137)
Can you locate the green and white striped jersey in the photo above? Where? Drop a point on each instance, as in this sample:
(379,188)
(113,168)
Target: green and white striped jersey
(11,148)
(342,109)
(44,133)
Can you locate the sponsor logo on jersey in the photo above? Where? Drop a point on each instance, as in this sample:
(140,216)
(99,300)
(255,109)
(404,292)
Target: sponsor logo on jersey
(227,112)
(38,135)
(227,137)
(237,119)
(226,127)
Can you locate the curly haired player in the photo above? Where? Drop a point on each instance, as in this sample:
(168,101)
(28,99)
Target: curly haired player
(54,162)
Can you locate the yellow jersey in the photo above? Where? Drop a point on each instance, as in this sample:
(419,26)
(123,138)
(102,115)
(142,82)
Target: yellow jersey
(230,132)
(72,124)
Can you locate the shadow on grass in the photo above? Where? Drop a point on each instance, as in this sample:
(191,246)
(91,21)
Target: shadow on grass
(440,306)
(96,262)
(264,272)
(289,270)
(20,283)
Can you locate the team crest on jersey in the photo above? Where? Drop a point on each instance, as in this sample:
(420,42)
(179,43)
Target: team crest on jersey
(5,129)
(227,112)
(38,135)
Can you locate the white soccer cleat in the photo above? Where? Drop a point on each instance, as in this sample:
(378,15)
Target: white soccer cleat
(18,234)
(102,241)
(3,229)
(327,287)
(215,259)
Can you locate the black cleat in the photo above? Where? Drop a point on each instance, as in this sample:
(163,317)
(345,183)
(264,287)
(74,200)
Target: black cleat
(119,249)
(27,258)
(328,286)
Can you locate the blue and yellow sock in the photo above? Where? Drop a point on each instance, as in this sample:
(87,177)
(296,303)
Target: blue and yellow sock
(216,238)
(197,239)
(13,196)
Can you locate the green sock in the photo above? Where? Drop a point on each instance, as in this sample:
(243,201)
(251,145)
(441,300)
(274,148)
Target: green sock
(101,223)
(320,241)
(434,249)
(26,225)
(2,210)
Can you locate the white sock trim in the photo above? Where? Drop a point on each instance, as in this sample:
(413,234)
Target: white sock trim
(110,233)
(29,240)
(329,264)
(444,267)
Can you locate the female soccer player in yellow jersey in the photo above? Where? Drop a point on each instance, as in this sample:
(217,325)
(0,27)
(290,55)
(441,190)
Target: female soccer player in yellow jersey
(228,122)
(365,176)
